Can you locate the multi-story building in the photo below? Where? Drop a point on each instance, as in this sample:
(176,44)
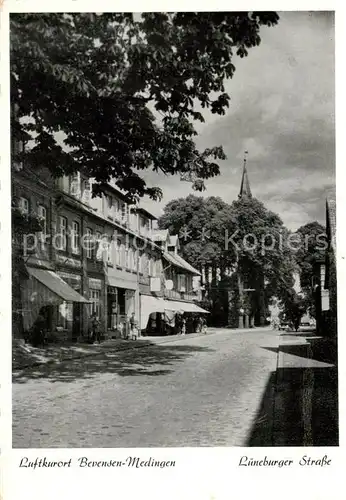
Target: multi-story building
(325,279)
(96,255)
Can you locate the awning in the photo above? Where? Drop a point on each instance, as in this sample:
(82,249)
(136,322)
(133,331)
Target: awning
(149,305)
(178,261)
(173,305)
(120,283)
(56,284)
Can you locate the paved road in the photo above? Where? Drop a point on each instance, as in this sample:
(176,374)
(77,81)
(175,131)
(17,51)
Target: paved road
(212,390)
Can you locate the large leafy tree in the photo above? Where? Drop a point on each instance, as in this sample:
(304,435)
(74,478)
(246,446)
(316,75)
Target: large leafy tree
(261,245)
(123,90)
(244,236)
(311,247)
(200,223)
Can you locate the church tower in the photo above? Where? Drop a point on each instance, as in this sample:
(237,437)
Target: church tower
(245,191)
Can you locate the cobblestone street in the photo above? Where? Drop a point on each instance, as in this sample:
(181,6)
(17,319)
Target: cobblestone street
(203,391)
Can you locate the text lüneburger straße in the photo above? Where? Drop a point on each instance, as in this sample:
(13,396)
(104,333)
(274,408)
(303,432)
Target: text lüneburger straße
(306,460)
(135,462)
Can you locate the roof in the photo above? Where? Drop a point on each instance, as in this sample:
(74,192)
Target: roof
(178,261)
(245,191)
(145,212)
(160,235)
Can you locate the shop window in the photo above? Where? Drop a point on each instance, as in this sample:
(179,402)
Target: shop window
(64,314)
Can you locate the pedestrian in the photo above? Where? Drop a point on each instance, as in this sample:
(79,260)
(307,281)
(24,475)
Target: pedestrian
(95,328)
(204,326)
(38,335)
(133,327)
(183,326)
(132,323)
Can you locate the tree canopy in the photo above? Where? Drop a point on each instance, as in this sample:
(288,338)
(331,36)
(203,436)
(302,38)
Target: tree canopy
(124,90)
(245,233)
(200,223)
(312,247)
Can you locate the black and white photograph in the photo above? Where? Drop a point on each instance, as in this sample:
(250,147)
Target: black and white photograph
(173,205)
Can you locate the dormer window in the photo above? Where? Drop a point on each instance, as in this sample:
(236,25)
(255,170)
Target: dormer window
(75,185)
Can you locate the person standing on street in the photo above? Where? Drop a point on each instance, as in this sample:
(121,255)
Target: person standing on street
(95,328)
(183,327)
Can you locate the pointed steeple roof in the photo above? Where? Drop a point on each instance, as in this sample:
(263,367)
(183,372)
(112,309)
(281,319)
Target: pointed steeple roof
(245,191)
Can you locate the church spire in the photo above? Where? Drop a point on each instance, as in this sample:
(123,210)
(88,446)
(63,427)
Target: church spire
(245,191)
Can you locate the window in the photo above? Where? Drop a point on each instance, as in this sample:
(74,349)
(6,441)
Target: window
(63,313)
(116,253)
(99,247)
(17,147)
(86,191)
(42,213)
(153,268)
(127,258)
(145,264)
(123,213)
(62,233)
(89,243)
(75,237)
(122,255)
(109,250)
(75,185)
(181,283)
(110,206)
(131,259)
(24,205)
(95,306)
(135,259)
(140,263)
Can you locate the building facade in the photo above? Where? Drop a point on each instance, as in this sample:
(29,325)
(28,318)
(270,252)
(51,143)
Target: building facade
(96,255)
(325,282)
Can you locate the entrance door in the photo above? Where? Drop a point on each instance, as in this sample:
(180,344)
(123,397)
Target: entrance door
(76,321)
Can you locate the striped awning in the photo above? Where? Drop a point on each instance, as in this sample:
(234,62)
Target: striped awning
(56,284)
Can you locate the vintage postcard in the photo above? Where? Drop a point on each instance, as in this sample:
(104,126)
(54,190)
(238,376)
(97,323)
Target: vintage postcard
(172,257)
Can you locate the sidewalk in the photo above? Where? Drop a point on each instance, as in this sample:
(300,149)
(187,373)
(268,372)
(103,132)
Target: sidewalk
(306,395)
(26,356)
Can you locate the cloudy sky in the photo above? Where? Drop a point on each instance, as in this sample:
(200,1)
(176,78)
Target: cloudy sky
(282,112)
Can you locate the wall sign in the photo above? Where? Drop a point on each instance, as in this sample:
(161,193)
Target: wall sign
(95,284)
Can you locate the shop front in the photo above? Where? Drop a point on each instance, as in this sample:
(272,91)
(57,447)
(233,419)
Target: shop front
(165,317)
(58,304)
(121,305)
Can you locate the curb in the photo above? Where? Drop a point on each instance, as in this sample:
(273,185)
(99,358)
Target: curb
(125,347)
(135,345)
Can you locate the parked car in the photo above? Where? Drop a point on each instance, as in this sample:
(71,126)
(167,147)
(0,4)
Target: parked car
(284,325)
(307,326)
